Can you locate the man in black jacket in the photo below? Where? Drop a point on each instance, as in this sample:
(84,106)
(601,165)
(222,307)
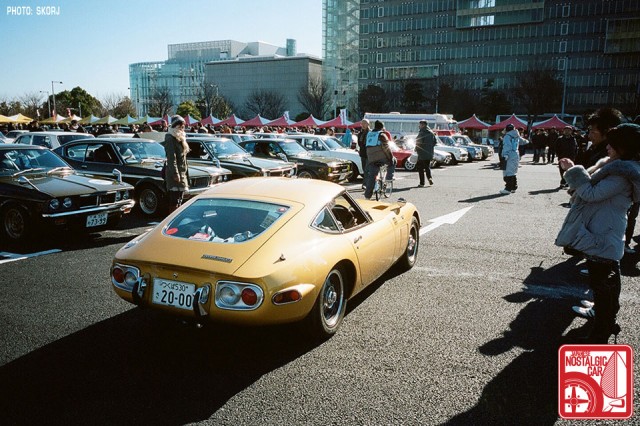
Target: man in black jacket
(566,147)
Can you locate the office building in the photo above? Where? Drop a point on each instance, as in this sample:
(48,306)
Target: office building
(592,45)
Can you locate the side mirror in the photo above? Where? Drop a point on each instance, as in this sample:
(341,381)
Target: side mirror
(118,174)
(282,156)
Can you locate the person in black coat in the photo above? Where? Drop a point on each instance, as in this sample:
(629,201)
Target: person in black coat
(566,147)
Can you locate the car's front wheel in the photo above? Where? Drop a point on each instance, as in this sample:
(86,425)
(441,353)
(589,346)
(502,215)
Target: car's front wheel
(410,254)
(327,313)
(306,174)
(354,172)
(149,199)
(15,223)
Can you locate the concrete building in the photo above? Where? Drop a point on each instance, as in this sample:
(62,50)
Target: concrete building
(593,45)
(243,77)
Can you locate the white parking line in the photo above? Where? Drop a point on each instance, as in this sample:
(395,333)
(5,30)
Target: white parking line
(12,257)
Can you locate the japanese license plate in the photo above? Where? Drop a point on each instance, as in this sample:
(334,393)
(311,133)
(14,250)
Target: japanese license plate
(173,293)
(97,220)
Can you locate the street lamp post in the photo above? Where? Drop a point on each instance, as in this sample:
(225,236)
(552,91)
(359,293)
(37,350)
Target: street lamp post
(48,100)
(53,92)
(564,85)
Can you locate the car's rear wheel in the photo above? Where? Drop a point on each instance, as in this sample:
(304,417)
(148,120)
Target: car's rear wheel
(410,254)
(306,174)
(327,313)
(149,200)
(15,223)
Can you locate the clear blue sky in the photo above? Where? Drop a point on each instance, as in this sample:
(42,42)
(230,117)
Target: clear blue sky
(92,42)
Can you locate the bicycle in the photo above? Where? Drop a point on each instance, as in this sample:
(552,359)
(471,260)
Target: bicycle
(382,188)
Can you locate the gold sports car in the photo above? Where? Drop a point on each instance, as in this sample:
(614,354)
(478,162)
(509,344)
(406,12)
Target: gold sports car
(266,251)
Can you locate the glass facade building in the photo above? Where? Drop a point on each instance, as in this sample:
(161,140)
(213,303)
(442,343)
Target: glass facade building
(182,75)
(594,45)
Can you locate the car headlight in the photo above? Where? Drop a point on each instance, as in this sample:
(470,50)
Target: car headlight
(54,204)
(125,195)
(67,202)
(118,196)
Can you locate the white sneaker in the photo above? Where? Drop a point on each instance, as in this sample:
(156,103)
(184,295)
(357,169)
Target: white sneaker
(584,312)
(587,303)
(505,192)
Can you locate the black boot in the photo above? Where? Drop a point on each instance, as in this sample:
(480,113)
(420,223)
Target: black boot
(604,279)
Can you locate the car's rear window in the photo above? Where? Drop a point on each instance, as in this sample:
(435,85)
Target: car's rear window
(224,220)
(66,138)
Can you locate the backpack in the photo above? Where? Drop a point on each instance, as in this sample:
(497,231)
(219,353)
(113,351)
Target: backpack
(373,138)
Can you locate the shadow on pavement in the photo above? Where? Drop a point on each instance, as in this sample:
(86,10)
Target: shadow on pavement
(141,368)
(526,390)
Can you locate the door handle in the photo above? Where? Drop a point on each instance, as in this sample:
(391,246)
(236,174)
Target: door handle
(83,166)
(358,238)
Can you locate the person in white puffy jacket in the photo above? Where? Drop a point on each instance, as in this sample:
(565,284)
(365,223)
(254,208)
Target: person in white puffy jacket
(595,225)
(510,145)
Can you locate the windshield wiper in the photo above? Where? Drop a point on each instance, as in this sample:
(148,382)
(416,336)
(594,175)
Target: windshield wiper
(27,171)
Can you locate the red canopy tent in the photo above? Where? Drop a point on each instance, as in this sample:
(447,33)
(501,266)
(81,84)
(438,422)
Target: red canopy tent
(210,120)
(473,123)
(553,122)
(281,122)
(256,121)
(517,123)
(337,122)
(189,120)
(159,121)
(232,121)
(309,121)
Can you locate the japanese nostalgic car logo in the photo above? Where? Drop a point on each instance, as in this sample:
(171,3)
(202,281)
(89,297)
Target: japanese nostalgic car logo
(218,258)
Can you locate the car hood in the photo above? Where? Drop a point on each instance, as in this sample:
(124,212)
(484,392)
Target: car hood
(263,163)
(57,185)
(323,159)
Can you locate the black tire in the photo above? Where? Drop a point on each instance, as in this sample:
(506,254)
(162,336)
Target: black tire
(15,223)
(307,174)
(410,254)
(354,172)
(328,312)
(149,200)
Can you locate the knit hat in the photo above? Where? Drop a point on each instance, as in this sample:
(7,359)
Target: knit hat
(378,125)
(509,127)
(176,120)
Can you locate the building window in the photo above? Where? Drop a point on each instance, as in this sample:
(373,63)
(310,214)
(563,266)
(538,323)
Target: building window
(378,72)
(378,57)
(380,27)
(565,11)
(380,12)
(562,63)
(564,29)
(563,47)
(379,42)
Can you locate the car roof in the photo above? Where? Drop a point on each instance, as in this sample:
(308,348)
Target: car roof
(21,145)
(309,192)
(118,139)
(49,133)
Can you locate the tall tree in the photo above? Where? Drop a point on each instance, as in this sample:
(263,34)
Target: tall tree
(77,101)
(316,98)
(372,99)
(538,90)
(160,102)
(189,108)
(414,98)
(117,105)
(267,103)
(32,104)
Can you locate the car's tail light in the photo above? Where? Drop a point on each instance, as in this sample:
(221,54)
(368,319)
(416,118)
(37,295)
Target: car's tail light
(234,295)
(249,297)
(118,275)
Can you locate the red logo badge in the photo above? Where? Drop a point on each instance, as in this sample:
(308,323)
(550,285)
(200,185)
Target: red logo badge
(595,382)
